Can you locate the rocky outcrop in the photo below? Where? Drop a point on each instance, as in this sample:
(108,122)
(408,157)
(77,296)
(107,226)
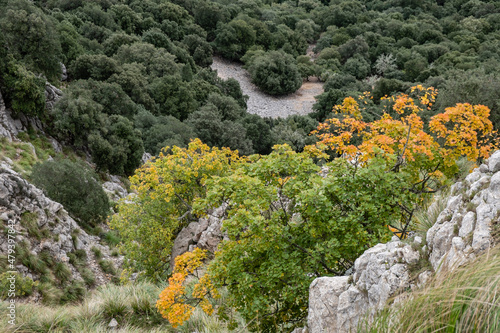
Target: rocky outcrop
(205,234)
(9,127)
(115,189)
(60,235)
(52,95)
(462,231)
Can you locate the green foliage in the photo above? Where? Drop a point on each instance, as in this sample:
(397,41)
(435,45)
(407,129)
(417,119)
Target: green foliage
(275,72)
(23,286)
(97,67)
(473,86)
(97,252)
(73,292)
(30,36)
(75,186)
(294,131)
(107,266)
(119,148)
(166,188)
(24,91)
(30,222)
(294,227)
(162,131)
(62,272)
(234,39)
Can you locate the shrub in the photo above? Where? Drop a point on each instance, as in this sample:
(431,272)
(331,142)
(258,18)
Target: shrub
(75,186)
(23,285)
(276,73)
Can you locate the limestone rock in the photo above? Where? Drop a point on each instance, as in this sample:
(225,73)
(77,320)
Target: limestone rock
(52,95)
(461,232)
(115,190)
(494,162)
(205,234)
(18,197)
(113,323)
(324,295)
(9,127)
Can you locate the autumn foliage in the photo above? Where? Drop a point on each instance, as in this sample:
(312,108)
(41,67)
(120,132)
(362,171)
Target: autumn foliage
(174,303)
(165,190)
(286,222)
(427,151)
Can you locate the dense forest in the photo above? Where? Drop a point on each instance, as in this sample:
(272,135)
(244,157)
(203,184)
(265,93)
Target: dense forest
(138,72)
(411,88)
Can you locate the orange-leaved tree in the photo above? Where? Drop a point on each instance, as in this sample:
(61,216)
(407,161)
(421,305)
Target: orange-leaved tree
(428,152)
(174,303)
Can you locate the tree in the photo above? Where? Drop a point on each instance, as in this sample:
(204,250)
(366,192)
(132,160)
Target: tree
(297,225)
(427,158)
(234,39)
(157,61)
(276,73)
(259,132)
(306,67)
(294,227)
(166,188)
(76,115)
(40,48)
(23,91)
(97,67)
(76,186)
(117,148)
(163,131)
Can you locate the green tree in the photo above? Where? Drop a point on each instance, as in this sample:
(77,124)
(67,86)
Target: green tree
(159,132)
(276,73)
(234,39)
(295,226)
(259,132)
(76,115)
(97,67)
(23,91)
(31,37)
(117,148)
(76,186)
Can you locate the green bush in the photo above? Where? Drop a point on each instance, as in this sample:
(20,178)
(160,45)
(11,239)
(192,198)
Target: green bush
(75,186)
(276,73)
(23,285)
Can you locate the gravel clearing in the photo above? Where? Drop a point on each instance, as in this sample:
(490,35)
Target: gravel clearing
(300,102)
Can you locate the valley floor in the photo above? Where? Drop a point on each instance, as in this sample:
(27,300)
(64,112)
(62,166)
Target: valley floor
(265,105)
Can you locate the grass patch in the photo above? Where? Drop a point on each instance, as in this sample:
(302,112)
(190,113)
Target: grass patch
(427,215)
(107,266)
(111,238)
(30,222)
(97,252)
(62,272)
(87,276)
(22,154)
(132,305)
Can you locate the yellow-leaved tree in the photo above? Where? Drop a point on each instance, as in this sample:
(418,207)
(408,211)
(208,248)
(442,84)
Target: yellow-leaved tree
(165,188)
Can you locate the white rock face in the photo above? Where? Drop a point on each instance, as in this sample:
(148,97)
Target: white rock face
(336,304)
(18,197)
(205,234)
(461,232)
(9,127)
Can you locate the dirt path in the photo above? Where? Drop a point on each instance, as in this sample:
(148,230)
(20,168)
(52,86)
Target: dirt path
(265,105)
